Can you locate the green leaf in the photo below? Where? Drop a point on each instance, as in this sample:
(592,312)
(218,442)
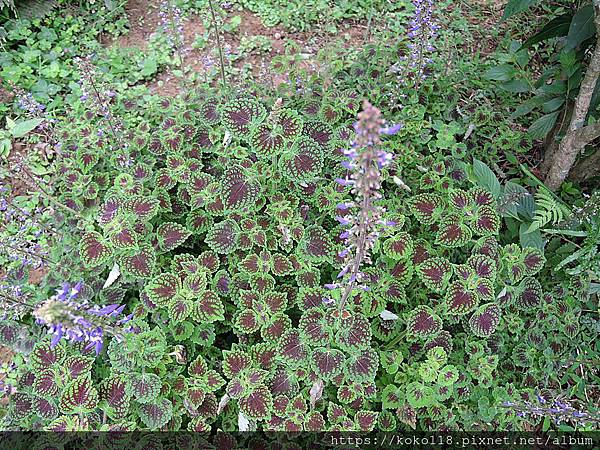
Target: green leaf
(533,239)
(542,126)
(503,72)
(486,178)
(559,26)
(516,86)
(22,128)
(582,27)
(553,104)
(516,6)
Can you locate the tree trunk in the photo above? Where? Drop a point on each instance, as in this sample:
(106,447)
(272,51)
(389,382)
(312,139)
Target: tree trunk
(574,142)
(586,168)
(552,140)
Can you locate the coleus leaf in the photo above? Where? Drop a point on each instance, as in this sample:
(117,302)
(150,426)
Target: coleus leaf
(199,221)
(423,323)
(327,363)
(209,111)
(460,200)
(452,232)
(485,320)
(486,221)
(290,123)
(258,404)
(355,333)
(79,396)
(123,238)
(115,393)
(171,235)
(427,208)
(223,237)
(76,366)
(275,327)
(180,308)
(314,327)
(303,162)
(314,421)
(362,366)
(435,273)
(533,260)
(240,115)
(292,349)
(238,190)
(247,321)
(366,420)
(209,308)
(109,209)
(21,405)
(156,414)
(322,133)
(309,298)
(45,383)
(316,244)
(145,387)
(530,293)
(43,356)
(460,299)
(139,262)
(45,408)
(163,288)
(484,266)
(267,141)
(234,361)
(143,208)
(399,246)
(94,250)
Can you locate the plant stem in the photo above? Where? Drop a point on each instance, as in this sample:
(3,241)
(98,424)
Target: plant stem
(218,36)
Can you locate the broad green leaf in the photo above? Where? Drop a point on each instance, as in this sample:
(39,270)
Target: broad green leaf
(553,104)
(533,239)
(542,126)
(516,6)
(557,27)
(22,128)
(515,86)
(486,178)
(503,72)
(582,27)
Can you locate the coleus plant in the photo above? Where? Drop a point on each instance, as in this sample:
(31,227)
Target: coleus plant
(224,219)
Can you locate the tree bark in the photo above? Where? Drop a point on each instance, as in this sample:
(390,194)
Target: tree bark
(574,141)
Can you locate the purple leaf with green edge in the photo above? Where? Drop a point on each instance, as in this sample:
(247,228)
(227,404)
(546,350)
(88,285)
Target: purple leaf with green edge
(195,396)
(427,208)
(145,387)
(309,277)
(516,272)
(264,355)
(280,404)
(530,294)
(303,162)
(222,283)
(435,273)
(262,283)
(240,115)
(109,210)
(198,425)
(185,264)
(419,395)
(308,298)
(327,363)
(281,265)
(533,260)
(156,414)
(402,272)
(399,246)
(115,392)
(252,264)
(213,380)
(443,339)
(423,323)
(199,182)
(209,308)
(143,208)
(234,361)
(21,405)
(459,299)
(485,320)
(123,238)
(239,192)
(163,288)
(481,197)
(139,263)
(275,302)
(86,160)
(258,404)
(45,383)
(45,357)
(223,237)
(94,250)
(267,141)
(386,421)
(292,350)
(209,260)
(452,232)
(180,308)
(209,112)
(76,366)
(247,321)
(79,396)
(316,245)
(199,221)
(171,235)
(393,291)
(335,413)
(390,397)
(290,123)
(314,328)
(460,200)
(164,180)
(274,329)
(366,420)
(484,289)
(361,366)
(202,140)
(141,172)
(321,132)
(483,265)
(354,334)
(45,408)
(486,221)
(156,147)
(346,394)
(235,388)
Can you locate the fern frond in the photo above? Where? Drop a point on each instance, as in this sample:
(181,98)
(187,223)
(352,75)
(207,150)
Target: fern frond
(547,211)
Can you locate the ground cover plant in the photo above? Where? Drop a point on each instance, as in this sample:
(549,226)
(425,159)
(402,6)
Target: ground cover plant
(356,236)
